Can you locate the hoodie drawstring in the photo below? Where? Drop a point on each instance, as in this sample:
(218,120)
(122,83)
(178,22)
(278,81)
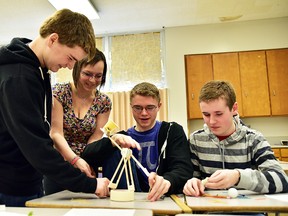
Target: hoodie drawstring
(163,149)
(45,101)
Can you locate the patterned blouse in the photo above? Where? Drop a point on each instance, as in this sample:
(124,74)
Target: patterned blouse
(78,131)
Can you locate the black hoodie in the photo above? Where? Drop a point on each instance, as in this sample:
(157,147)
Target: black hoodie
(26,149)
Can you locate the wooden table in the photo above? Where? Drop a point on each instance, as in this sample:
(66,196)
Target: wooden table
(67,199)
(67,211)
(249,202)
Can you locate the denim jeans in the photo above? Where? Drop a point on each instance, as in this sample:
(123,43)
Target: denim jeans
(17,201)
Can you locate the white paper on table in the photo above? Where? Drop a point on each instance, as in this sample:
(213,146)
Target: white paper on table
(11,214)
(106,212)
(281,197)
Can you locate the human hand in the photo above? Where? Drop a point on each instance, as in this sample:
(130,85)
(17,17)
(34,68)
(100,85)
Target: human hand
(194,187)
(158,186)
(125,141)
(84,167)
(222,179)
(102,189)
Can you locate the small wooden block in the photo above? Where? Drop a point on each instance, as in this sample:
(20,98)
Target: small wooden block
(121,195)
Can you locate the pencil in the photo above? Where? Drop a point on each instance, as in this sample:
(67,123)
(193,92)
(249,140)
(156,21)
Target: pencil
(215,196)
(185,199)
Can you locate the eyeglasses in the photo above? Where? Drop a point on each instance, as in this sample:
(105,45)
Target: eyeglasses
(138,109)
(90,76)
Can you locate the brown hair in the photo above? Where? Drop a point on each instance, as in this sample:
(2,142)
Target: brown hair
(99,56)
(145,89)
(74,29)
(215,89)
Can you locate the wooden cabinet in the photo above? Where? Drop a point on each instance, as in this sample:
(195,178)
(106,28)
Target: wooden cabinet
(276,152)
(205,67)
(277,63)
(281,153)
(226,67)
(198,72)
(284,154)
(254,83)
(257,77)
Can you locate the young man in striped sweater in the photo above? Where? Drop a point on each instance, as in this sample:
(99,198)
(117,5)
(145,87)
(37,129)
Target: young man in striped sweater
(229,153)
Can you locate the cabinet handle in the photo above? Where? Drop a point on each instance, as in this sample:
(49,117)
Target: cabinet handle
(192,96)
(274,93)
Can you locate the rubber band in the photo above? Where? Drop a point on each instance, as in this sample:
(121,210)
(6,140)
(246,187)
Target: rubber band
(74,160)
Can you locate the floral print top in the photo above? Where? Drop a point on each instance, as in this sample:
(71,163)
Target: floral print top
(78,131)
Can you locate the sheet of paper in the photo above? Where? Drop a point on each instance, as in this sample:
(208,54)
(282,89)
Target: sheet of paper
(10,214)
(106,212)
(281,197)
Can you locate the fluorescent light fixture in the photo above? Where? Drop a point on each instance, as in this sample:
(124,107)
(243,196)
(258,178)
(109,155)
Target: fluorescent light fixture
(81,6)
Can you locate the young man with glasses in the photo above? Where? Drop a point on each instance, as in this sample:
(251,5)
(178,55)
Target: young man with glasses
(162,148)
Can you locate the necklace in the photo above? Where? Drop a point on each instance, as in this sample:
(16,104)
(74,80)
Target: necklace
(83,98)
(82,105)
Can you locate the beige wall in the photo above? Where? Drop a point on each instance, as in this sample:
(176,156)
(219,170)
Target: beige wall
(224,37)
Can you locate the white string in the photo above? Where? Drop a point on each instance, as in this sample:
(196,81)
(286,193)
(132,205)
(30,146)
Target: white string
(163,149)
(45,101)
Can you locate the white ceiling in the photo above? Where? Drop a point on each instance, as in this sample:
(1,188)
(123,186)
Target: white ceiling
(22,18)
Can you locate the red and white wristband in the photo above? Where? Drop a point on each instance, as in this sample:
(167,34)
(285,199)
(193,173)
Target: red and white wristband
(74,160)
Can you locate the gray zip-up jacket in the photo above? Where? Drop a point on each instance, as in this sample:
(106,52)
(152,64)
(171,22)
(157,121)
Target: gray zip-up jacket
(245,150)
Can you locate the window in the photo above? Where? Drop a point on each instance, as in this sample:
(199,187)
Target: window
(135,58)
(131,59)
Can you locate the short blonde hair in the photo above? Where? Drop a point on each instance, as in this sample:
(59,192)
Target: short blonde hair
(147,90)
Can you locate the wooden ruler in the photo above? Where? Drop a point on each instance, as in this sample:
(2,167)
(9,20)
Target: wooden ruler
(185,208)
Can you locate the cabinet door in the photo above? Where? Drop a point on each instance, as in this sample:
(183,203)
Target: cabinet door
(254,83)
(277,153)
(198,72)
(226,67)
(284,154)
(277,63)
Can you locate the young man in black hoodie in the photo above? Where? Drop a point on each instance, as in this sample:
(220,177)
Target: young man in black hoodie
(163,149)
(26,149)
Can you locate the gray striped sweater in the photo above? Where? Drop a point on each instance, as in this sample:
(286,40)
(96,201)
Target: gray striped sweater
(245,150)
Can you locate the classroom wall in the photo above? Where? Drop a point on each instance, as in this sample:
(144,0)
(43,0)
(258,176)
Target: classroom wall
(224,37)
